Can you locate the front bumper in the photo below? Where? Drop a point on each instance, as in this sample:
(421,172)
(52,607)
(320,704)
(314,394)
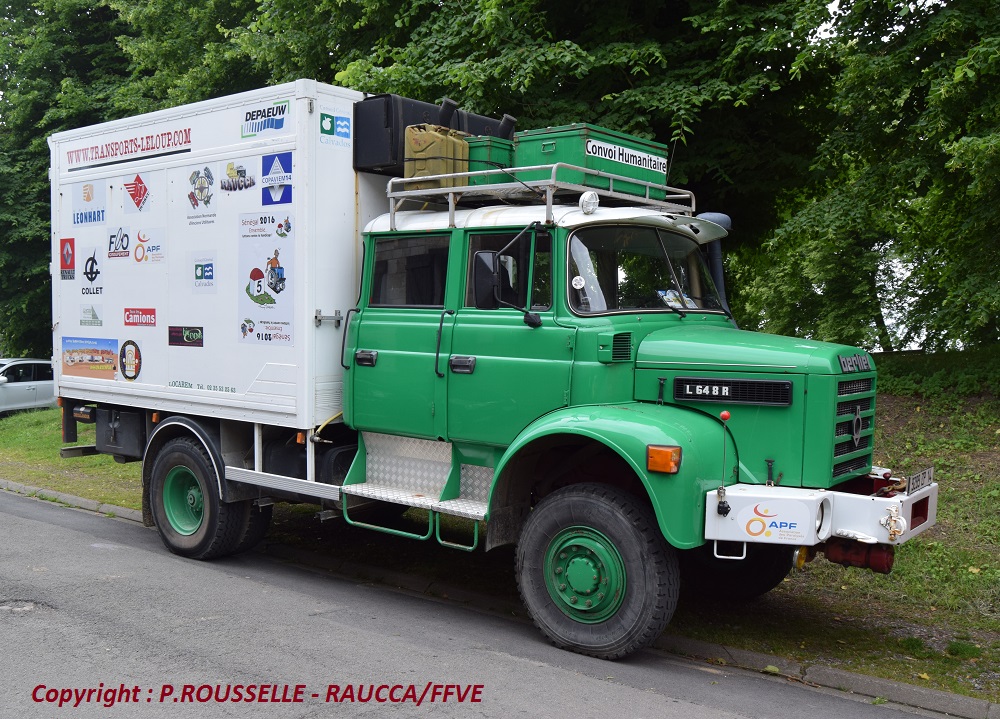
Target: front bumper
(808,517)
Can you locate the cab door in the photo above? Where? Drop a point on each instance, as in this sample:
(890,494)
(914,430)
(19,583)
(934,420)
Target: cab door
(502,373)
(399,385)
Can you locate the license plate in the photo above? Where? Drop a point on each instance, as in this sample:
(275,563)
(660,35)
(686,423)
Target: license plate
(919,480)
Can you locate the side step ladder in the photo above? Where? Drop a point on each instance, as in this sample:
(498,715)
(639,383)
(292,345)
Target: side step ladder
(418,473)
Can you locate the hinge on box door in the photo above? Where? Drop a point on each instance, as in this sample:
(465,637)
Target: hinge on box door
(335,318)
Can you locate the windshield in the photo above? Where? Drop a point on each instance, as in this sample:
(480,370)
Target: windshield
(625,268)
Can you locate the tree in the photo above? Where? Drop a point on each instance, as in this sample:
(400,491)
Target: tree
(59,65)
(181,52)
(897,216)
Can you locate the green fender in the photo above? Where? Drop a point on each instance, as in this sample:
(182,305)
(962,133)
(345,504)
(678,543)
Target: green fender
(678,499)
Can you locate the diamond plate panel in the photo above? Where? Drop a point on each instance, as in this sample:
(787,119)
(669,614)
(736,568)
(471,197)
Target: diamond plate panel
(417,466)
(470,509)
(391,494)
(476,482)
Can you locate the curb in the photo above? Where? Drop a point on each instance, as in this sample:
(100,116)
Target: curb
(909,695)
(69,500)
(811,674)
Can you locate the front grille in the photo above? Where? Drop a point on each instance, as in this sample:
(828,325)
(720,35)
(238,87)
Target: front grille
(851,465)
(733,391)
(847,408)
(855,386)
(847,428)
(848,447)
(853,419)
(621,347)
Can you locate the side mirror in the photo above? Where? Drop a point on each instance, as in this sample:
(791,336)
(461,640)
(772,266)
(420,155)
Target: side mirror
(3,379)
(485,280)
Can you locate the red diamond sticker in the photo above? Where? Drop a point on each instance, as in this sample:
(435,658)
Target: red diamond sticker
(138,191)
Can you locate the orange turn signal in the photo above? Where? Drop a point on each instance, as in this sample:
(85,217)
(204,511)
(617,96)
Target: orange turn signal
(664,459)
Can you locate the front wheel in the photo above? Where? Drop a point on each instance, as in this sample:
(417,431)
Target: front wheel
(190,517)
(595,573)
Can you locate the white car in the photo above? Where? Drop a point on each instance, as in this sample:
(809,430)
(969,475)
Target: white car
(26,384)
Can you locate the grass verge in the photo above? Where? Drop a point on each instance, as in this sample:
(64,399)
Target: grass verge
(934,622)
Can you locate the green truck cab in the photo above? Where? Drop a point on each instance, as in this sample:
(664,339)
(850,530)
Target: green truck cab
(570,374)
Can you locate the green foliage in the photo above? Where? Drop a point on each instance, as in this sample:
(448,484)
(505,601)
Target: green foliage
(858,156)
(59,65)
(895,224)
(943,374)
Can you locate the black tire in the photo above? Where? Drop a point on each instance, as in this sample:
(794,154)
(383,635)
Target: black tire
(257,522)
(595,537)
(183,476)
(703,576)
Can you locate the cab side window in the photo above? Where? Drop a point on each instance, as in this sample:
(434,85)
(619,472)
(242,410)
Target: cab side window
(515,269)
(410,271)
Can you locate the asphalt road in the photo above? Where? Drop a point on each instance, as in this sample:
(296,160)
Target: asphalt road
(94,611)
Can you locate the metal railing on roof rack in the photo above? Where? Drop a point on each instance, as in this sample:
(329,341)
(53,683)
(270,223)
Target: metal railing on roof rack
(455,189)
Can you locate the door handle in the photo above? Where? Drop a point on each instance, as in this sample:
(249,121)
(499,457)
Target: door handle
(462,365)
(437,354)
(366,358)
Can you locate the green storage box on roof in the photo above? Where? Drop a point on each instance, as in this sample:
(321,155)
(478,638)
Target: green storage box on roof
(488,153)
(593,148)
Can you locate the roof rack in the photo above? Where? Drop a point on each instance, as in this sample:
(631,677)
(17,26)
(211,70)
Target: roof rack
(533,185)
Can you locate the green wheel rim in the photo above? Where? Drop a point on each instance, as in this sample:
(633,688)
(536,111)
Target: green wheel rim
(183,501)
(584,574)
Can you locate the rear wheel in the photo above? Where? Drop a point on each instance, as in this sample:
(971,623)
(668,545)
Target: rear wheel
(257,523)
(595,573)
(184,493)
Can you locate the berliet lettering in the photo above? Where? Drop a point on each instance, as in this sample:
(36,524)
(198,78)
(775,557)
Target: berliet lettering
(855,363)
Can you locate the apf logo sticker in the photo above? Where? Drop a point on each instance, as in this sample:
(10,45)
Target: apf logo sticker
(763,523)
(147,250)
(777,520)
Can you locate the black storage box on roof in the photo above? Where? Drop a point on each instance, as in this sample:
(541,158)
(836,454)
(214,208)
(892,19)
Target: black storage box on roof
(380,123)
